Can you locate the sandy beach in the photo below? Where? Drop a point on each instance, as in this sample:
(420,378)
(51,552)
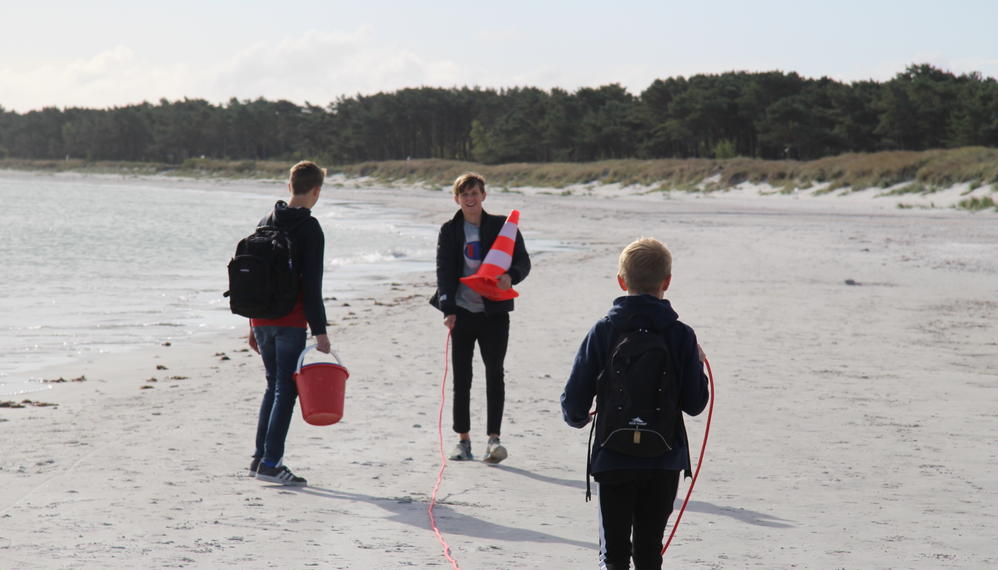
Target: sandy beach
(855,352)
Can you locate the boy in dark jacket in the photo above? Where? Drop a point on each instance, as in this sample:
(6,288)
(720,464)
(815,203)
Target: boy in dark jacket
(461,246)
(280,341)
(636,493)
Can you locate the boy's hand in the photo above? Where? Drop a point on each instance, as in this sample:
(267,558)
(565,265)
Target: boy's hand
(322,343)
(505,281)
(700,353)
(251,339)
(449,321)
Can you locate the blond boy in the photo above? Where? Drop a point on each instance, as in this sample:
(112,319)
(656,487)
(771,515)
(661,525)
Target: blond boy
(636,493)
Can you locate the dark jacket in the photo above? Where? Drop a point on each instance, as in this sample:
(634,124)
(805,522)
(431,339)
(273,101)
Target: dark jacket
(450,261)
(308,244)
(629,312)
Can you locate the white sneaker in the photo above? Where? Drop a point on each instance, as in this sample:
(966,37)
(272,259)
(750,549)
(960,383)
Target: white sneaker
(494,451)
(462,451)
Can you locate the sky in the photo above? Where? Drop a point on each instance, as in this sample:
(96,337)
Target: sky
(110,53)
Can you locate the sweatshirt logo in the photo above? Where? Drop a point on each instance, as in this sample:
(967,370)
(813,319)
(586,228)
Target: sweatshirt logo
(637,421)
(473,250)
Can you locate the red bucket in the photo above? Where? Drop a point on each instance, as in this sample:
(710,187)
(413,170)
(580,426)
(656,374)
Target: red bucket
(321,390)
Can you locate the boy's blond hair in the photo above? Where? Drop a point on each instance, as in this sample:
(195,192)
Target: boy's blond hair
(644,265)
(305,176)
(467,181)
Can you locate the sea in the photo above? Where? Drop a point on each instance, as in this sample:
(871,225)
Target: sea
(97,264)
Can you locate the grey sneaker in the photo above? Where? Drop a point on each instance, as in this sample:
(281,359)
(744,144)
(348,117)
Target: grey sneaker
(494,451)
(462,451)
(280,475)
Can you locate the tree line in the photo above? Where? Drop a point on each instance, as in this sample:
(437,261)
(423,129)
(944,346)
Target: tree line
(770,115)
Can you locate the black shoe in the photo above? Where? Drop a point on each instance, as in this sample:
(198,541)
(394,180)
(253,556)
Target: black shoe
(280,475)
(254,465)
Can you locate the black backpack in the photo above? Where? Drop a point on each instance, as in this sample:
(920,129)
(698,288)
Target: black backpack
(637,397)
(263,280)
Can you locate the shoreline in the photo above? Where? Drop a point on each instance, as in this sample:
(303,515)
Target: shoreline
(42,336)
(961,178)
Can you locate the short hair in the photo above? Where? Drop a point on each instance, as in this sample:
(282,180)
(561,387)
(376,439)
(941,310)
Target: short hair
(644,264)
(467,181)
(306,175)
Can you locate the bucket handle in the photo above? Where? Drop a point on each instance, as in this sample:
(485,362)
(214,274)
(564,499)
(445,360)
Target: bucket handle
(301,358)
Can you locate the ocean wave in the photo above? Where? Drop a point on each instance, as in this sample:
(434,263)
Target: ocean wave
(132,325)
(379,257)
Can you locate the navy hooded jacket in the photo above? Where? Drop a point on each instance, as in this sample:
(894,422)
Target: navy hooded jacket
(629,312)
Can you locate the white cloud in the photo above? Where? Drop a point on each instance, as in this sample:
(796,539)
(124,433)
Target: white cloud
(318,67)
(315,66)
(113,77)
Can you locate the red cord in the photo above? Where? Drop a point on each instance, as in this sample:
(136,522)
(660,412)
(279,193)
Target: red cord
(703,447)
(443,459)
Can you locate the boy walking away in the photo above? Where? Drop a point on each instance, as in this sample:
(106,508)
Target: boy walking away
(644,367)
(280,340)
(461,246)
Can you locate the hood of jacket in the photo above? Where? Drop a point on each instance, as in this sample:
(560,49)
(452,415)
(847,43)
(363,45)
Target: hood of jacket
(285,216)
(641,311)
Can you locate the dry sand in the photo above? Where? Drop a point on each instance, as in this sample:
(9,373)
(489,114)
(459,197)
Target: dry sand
(855,424)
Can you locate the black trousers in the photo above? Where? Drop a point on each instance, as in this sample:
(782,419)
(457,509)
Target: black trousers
(491,332)
(640,507)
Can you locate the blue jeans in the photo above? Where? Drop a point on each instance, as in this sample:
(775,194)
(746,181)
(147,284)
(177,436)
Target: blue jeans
(280,348)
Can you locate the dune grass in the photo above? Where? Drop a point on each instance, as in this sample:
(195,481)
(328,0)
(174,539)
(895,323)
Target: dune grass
(976,204)
(926,171)
(234,168)
(922,171)
(80,165)
(196,167)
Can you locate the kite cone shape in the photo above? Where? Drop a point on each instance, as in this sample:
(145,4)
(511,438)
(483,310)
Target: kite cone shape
(497,261)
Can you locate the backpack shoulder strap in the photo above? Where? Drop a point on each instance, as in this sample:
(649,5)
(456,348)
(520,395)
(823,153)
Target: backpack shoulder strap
(589,456)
